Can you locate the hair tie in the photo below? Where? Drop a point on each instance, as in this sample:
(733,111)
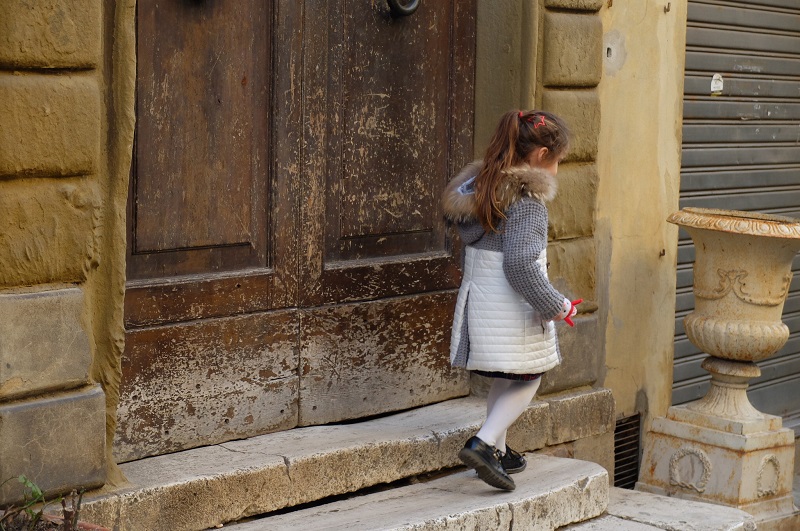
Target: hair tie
(530,119)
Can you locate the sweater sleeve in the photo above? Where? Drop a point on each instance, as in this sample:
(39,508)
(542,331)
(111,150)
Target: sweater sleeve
(524,238)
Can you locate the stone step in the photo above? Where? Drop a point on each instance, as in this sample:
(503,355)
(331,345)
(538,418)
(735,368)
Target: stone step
(200,488)
(630,510)
(552,492)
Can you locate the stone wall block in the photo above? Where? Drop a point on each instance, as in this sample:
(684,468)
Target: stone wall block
(572,269)
(57,441)
(597,449)
(50,33)
(572,55)
(42,344)
(572,211)
(581,111)
(48,230)
(531,430)
(577,5)
(581,355)
(51,125)
(579,415)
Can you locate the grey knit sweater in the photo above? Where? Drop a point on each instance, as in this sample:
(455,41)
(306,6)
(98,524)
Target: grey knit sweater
(522,236)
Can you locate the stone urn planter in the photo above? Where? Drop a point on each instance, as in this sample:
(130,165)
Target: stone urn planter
(720,448)
(742,273)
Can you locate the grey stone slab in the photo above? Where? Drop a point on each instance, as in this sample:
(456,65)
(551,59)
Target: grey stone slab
(57,441)
(587,5)
(675,514)
(553,492)
(609,523)
(42,344)
(195,489)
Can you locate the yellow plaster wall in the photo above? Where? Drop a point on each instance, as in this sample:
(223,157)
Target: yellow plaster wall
(639,172)
(105,287)
(67,79)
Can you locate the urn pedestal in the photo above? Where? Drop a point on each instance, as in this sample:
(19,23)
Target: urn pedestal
(721,449)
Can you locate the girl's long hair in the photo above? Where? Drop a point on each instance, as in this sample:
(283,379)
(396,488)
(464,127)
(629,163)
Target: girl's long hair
(517,134)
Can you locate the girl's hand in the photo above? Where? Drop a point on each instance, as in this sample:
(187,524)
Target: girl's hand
(566,307)
(568,312)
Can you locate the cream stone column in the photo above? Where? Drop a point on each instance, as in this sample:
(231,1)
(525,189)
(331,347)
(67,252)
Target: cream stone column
(720,448)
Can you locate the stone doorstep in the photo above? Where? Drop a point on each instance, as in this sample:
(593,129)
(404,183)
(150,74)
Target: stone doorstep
(203,487)
(552,492)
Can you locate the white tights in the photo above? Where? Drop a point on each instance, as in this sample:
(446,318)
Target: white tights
(507,400)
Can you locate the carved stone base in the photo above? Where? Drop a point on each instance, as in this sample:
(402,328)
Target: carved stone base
(721,461)
(726,407)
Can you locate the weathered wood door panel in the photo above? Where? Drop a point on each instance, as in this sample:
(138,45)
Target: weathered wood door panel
(373,357)
(202,139)
(389,119)
(212,220)
(208,381)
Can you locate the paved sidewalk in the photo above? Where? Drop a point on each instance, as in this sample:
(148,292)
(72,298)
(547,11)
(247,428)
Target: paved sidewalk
(642,511)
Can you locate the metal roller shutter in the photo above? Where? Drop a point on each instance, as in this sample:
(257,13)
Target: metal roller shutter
(741,150)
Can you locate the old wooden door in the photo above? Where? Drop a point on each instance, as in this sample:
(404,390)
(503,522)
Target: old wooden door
(287,259)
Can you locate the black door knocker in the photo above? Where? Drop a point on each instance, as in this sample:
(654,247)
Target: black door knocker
(403,10)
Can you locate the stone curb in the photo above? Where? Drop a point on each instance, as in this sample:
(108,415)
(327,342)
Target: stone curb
(551,493)
(203,487)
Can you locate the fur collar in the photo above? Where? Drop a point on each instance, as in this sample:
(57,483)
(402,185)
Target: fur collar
(520,181)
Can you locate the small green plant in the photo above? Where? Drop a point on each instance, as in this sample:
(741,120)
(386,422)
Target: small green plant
(31,497)
(30,514)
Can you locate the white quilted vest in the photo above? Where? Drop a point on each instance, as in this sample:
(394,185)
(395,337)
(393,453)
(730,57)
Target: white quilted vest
(505,333)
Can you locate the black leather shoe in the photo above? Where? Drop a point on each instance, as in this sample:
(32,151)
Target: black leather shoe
(512,461)
(483,458)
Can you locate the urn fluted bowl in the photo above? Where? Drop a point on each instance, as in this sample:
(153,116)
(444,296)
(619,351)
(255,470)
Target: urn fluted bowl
(742,274)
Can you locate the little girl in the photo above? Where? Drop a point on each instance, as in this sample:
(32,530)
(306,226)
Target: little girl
(503,326)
